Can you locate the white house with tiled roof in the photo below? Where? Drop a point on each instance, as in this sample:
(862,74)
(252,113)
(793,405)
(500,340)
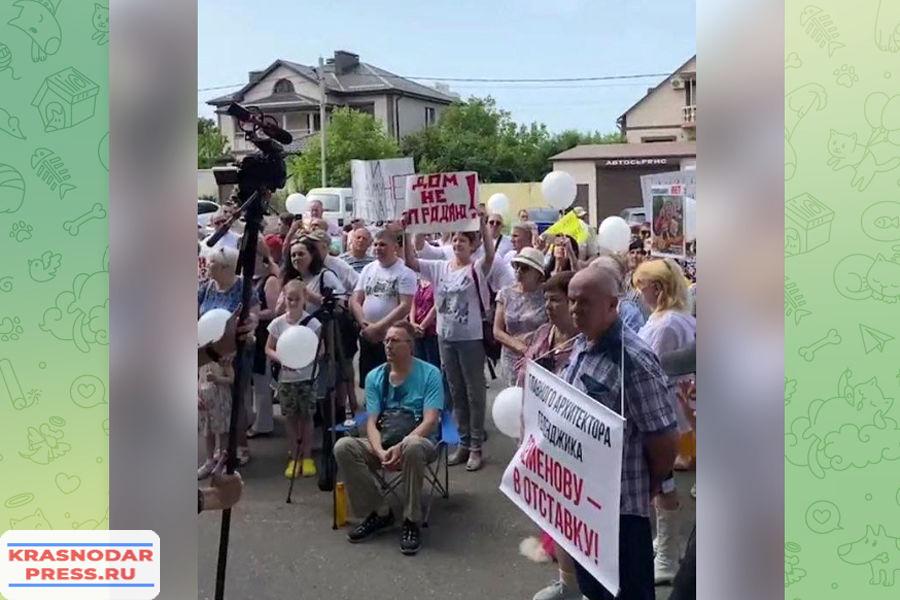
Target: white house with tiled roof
(290,92)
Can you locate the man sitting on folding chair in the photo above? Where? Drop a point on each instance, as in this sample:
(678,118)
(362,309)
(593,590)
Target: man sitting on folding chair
(404,398)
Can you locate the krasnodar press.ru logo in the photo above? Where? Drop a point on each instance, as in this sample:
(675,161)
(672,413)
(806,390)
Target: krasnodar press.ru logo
(79,565)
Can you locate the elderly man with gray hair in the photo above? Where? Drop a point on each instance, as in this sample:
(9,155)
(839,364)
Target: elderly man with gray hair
(521,236)
(629,301)
(612,365)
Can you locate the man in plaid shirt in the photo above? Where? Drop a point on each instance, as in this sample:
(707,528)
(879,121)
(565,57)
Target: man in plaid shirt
(650,442)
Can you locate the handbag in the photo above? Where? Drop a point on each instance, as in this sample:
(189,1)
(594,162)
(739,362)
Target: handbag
(394,423)
(491,345)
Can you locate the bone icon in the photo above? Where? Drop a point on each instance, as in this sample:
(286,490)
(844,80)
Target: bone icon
(74,226)
(831,338)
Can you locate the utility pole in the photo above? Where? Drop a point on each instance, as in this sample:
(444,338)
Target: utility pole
(322,117)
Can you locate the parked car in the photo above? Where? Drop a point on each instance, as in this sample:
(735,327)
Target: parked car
(634,216)
(205,210)
(337,202)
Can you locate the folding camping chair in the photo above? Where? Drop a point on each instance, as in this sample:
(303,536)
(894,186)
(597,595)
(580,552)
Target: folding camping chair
(437,472)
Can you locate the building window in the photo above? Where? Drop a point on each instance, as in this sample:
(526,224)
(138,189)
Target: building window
(429,116)
(657,138)
(690,92)
(314,121)
(284,86)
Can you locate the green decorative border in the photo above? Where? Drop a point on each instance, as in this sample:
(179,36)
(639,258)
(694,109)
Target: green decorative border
(54,283)
(842,299)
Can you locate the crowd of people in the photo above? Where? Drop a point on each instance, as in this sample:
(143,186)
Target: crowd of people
(423,318)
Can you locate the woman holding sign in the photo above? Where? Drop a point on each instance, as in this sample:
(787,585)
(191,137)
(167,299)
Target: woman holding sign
(460,285)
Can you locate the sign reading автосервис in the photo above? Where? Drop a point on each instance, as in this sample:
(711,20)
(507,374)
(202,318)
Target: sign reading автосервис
(567,474)
(79,564)
(442,202)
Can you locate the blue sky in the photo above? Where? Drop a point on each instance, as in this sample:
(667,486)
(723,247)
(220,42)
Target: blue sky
(463,38)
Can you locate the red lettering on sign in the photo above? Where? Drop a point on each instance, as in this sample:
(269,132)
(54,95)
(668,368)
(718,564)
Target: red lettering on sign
(450,180)
(440,195)
(434,180)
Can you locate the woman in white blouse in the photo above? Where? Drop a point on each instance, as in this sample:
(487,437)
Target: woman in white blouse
(670,326)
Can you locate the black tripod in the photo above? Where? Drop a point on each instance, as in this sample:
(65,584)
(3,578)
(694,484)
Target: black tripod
(330,351)
(253,210)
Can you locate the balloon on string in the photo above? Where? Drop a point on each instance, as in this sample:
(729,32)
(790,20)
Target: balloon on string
(295,204)
(559,189)
(498,203)
(690,219)
(296,347)
(507,412)
(614,234)
(211,326)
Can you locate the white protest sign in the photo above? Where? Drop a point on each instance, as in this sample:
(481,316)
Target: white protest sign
(379,188)
(567,474)
(442,202)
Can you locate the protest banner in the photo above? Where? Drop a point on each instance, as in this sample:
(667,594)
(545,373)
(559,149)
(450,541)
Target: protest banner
(442,202)
(567,474)
(667,221)
(379,188)
(569,225)
(686,178)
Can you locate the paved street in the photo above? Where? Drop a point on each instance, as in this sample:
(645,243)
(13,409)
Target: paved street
(470,550)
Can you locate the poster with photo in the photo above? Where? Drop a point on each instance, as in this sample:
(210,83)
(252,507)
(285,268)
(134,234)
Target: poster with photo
(667,222)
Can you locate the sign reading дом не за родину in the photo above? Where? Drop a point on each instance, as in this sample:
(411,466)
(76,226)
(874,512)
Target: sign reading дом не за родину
(567,474)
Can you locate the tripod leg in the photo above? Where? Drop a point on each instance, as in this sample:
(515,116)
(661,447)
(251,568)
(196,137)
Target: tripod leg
(293,471)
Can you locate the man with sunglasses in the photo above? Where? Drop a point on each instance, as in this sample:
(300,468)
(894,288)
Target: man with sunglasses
(502,243)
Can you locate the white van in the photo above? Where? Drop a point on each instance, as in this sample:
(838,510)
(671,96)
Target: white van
(337,202)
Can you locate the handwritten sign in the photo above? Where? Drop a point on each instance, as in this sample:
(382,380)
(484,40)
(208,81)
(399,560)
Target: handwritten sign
(379,188)
(567,474)
(442,202)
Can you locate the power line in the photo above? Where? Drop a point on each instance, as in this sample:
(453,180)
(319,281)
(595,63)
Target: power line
(482,79)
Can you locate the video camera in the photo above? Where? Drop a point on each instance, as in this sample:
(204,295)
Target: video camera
(261,170)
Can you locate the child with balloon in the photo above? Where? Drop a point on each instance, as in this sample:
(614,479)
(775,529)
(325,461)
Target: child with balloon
(296,390)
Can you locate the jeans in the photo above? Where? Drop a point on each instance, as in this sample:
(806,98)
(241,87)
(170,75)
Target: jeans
(635,564)
(463,364)
(427,350)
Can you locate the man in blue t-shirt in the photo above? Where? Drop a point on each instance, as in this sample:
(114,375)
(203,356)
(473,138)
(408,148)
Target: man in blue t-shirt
(403,383)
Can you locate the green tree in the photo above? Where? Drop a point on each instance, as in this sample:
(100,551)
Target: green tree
(475,135)
(212,146)
(350,135)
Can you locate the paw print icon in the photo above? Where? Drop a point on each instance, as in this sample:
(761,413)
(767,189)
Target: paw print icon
(21,231)
(846,76)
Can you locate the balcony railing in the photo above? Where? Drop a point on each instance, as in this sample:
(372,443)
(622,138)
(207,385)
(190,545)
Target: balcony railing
(689,116)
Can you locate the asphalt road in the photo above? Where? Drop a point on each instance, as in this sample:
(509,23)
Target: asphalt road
(469,551)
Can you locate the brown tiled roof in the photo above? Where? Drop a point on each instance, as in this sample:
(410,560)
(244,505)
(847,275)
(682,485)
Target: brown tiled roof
(647,150)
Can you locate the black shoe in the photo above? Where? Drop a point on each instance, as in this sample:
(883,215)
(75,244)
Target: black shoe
(370,526)
(410,539)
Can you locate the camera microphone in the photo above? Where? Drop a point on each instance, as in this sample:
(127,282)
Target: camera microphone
(266,125)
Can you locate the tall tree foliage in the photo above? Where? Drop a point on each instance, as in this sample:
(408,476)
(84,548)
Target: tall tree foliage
(212,146)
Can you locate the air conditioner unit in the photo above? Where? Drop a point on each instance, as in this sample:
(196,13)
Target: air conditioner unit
(678,83)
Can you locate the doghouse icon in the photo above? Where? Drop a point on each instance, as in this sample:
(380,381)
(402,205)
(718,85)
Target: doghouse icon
(65,99)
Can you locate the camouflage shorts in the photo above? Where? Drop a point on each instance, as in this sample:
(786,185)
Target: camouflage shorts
(297,398)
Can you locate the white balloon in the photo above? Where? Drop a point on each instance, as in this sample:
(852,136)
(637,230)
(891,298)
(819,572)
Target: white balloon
(507,412)
(211,326)
(295,204)
(559,189)
(498,203)
(296,347)
(614,234)
(690,219)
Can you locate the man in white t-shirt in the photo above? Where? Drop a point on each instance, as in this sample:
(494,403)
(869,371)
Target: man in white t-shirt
(382,296)
(344,271)
(230,239)
(502,243)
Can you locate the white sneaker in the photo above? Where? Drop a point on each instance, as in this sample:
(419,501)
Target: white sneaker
(557,591)
(665,565)
(206,469)
(243,454)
